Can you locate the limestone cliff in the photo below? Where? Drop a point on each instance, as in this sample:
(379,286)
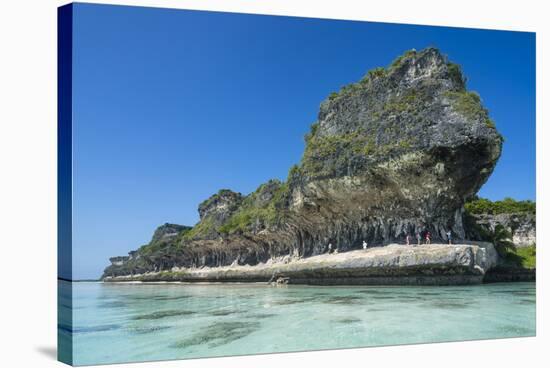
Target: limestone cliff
(396,153)
(520,226)
(517,218)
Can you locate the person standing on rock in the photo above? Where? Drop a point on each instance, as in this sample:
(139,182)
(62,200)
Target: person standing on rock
(329,248)
(365,245)
(408,239)
(449,237)
(418,237)
(428,237)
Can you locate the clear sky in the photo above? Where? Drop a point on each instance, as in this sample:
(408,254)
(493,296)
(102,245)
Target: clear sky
(170,106)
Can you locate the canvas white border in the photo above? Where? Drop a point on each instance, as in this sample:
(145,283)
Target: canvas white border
(28,180)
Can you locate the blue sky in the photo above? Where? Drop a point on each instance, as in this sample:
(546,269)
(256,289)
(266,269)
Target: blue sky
(171,105)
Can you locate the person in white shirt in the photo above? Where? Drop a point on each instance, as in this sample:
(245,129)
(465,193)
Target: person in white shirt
(449,237)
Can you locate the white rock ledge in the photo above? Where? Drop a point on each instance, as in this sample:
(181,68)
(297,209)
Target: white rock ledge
(394,264)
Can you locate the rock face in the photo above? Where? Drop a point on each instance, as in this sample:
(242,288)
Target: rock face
(522,226)
(399,152)
(396,153)
(118,261)
(220,206)
(167,231)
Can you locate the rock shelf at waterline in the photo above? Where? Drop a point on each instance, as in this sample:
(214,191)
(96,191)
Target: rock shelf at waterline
(394,264)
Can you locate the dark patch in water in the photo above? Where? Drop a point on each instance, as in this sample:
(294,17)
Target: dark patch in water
(449,305)
(293,301)
(383,297)
(524,293)
(409,297)
(348,299)
(287,301)
(139,297)
(456,290)
(517,330)
(427,293)
(172,297)
(147,329)
(385,294)
(447,298)
(261,315)
(158,297)
(163,314)
(527,301)
(347,320)
(96,328)
(218,334)
(224,312)
(514,292)
(374,291)
(115,304)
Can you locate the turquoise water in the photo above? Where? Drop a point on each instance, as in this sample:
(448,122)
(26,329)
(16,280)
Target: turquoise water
(115,323)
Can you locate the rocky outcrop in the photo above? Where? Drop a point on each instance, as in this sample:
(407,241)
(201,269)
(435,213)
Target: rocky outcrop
(394,264)
(118,261)
(399,152)
(396,153)
(167,231)
(220,206)
(522,226)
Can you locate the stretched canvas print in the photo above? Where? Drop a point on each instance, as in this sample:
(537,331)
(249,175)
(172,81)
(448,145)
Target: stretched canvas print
(237,184)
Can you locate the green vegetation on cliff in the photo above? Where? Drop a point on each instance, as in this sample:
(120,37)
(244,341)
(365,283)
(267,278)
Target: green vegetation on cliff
(371,76)
(399,60)
(501,239)
(323,152)
(263,208)
(524,257)
(469,104)
(507,205)
(323,155)
(528,256)
(455,72)
(201,229)
(499,222)
(388,112)
(163,239)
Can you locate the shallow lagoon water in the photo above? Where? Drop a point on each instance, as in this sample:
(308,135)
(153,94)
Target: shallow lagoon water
(115,323)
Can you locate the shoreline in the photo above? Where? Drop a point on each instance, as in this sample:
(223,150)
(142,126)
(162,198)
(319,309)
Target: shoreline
(394,264)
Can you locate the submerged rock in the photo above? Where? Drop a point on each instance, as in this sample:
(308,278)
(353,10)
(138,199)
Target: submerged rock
(396,153)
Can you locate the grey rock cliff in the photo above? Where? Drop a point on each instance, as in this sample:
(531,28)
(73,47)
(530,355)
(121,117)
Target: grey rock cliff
(166,232)
(522,226)
(400,150)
